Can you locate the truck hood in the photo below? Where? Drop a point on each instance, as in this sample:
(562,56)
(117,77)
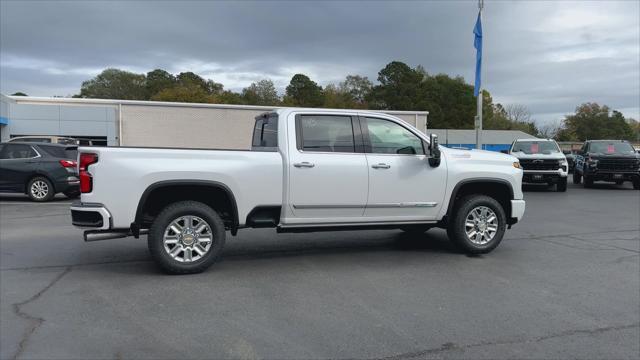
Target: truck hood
(551,156)
(474,154)
(601,156)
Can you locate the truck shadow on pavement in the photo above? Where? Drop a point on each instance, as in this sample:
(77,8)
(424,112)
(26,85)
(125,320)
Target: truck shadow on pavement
(433,242)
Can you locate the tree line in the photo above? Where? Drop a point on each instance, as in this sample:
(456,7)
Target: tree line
(449,100)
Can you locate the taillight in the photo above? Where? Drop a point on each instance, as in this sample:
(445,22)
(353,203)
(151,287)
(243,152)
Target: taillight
(86,180)
(68,163)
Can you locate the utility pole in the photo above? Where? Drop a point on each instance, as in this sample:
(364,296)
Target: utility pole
(478,122)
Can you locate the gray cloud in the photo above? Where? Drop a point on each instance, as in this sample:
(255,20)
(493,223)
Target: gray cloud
(550,56)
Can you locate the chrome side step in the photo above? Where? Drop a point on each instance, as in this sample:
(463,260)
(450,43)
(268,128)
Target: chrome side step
(99,235)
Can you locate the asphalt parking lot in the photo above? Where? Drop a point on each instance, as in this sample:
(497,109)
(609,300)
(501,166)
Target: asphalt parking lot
(565,283)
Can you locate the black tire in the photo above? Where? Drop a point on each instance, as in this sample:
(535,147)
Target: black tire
(636,183)
(588,181)
(72,194)
(40,189)
(456,229)
(561,186)
(577,178)
(166,217)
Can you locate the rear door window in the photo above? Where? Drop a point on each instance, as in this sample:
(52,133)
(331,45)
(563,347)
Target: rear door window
(325,133)
(17,151)
(265,133)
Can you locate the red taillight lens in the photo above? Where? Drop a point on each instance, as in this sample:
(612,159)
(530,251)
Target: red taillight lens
(86,180)
(68,163)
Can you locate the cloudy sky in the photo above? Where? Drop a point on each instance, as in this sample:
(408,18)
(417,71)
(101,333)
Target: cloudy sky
(547,55)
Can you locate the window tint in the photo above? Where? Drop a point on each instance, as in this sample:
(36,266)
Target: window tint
(611,147)
(265,132)
(327,133)
(388,137)
(535,147)
(17,151)
(60,151)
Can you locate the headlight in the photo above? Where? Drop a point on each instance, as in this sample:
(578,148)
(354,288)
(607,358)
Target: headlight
(516,164)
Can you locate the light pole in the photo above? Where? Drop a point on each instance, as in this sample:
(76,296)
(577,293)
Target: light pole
(478,45)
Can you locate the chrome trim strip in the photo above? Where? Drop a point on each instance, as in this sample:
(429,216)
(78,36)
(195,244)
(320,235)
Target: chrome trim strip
(329,206)
(370,206)
(289,226)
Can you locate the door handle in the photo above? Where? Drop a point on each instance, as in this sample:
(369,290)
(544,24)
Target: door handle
(381,166)
(304,164)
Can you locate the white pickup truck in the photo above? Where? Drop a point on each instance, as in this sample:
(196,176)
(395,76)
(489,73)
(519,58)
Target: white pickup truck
(308,170)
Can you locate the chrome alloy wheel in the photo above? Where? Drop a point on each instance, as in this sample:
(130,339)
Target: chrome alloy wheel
(481,225)
(39,189)
(187,238)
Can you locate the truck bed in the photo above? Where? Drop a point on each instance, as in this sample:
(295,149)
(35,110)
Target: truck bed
(123,173)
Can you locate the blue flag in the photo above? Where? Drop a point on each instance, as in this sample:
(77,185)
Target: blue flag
(477,43)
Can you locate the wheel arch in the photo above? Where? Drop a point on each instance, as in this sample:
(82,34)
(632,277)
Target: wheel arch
(499,189)
(212,193)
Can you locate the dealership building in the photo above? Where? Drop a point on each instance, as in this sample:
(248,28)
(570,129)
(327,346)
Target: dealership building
(166,124)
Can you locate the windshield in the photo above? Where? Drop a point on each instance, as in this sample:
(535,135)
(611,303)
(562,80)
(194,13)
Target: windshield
(611,147)
(535,147)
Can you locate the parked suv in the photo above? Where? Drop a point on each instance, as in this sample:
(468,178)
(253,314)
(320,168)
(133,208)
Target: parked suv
(39,170)
(607,160)
(542,162)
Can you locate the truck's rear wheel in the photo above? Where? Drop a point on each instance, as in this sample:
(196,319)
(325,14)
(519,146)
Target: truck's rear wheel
(186,237)
(478,224)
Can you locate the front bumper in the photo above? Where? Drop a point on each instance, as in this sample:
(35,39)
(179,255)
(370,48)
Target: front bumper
(543,176)
(612,175)
(90,216)
(517,210)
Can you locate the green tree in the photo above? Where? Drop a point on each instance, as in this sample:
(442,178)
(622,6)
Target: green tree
(337,97)
(303,92)
(115,84)
(19,93)
(593,121)
(228,97)
(158,80)
(359,89)
(190,93)
(398,89)
(262,92)
(189,78)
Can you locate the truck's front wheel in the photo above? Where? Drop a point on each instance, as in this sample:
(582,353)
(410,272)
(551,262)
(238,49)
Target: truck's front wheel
(186,237)
(478,224)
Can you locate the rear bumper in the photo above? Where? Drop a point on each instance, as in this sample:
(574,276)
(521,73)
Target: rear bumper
(517,211)
(90,216)
(71,183)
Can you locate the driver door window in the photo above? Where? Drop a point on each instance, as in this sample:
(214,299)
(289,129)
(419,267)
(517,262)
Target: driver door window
(387,137)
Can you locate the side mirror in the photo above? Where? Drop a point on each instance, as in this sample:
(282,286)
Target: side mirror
(566,152)
(505,151)
(434,151)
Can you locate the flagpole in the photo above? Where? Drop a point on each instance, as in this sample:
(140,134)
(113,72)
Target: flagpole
(478,124)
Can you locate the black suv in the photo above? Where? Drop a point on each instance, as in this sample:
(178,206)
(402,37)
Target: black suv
(607,160)
(39,170)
